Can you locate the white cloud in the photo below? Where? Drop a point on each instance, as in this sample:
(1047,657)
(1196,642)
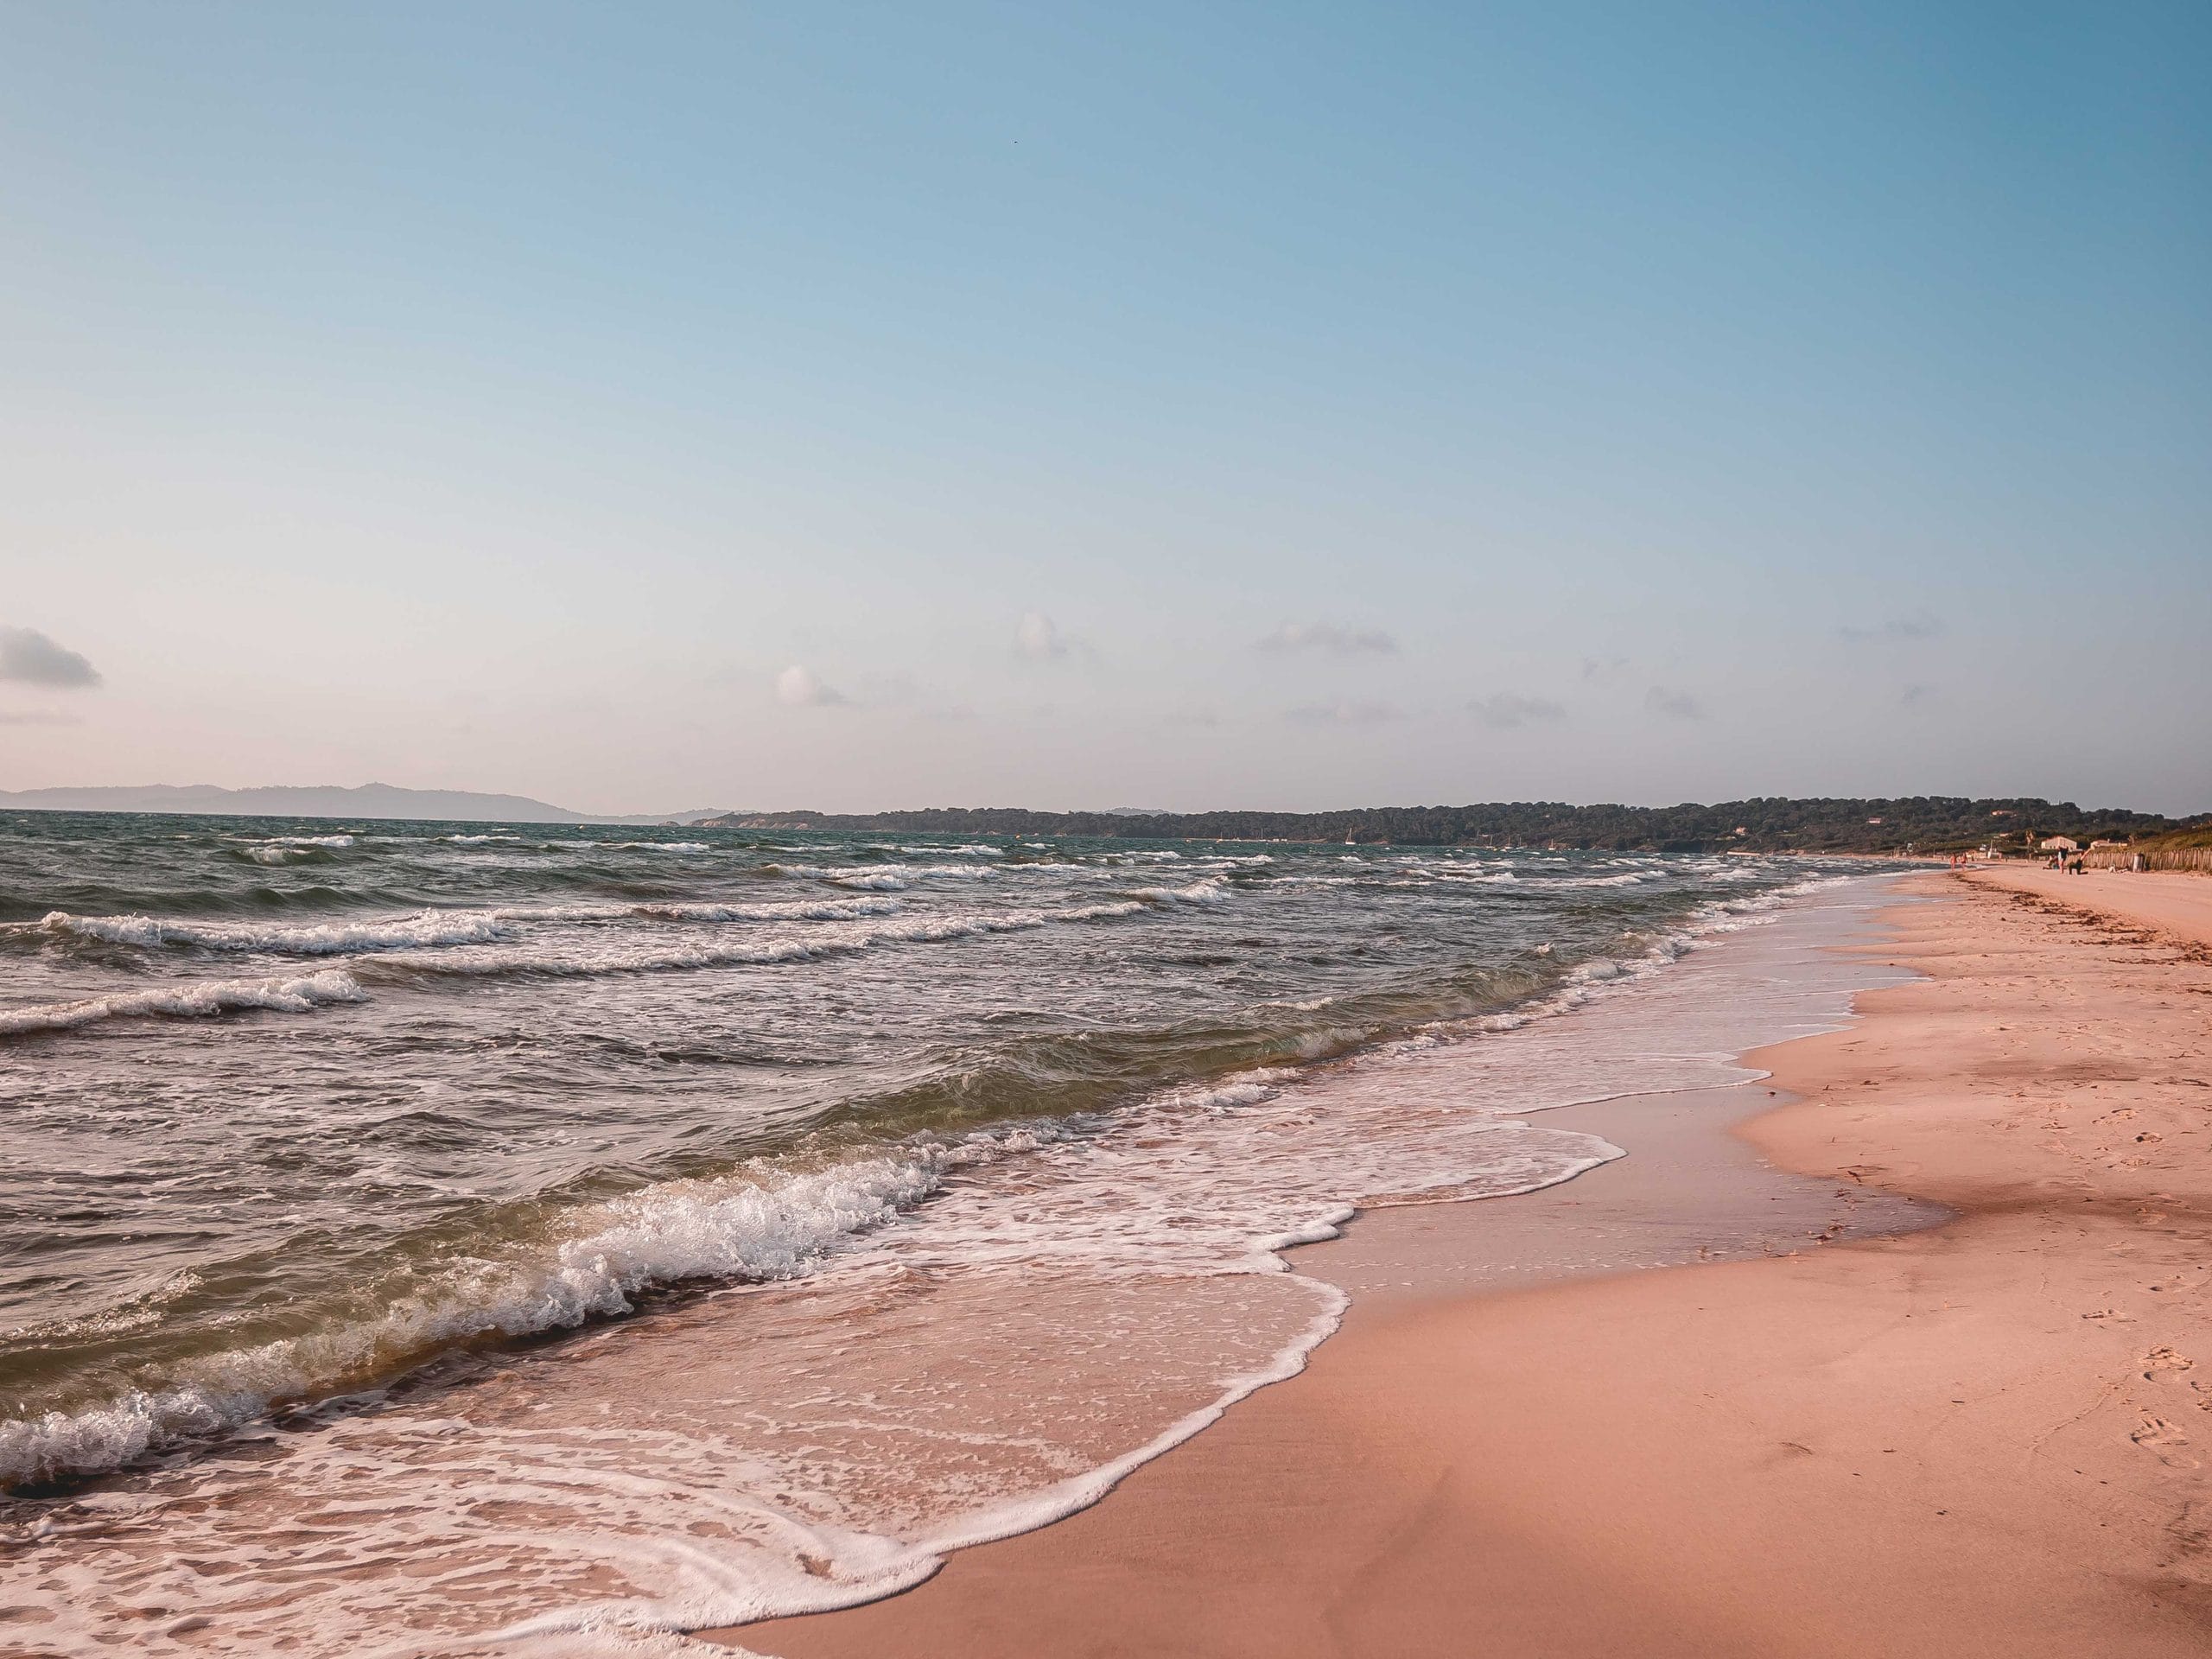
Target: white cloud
(1506,710)
(29,656)
(1039,639)
(798,688)
(1330,638)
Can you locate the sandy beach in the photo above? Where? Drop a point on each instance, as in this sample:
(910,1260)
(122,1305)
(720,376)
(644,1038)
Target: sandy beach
(1982,1436)
(1099,831)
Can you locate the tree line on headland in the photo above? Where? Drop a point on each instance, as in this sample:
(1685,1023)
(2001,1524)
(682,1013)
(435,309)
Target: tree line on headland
(1924,823)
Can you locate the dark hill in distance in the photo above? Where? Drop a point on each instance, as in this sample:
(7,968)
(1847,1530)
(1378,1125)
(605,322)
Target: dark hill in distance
(1922,823)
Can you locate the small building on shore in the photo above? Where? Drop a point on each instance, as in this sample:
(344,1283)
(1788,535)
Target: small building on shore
(2060,844)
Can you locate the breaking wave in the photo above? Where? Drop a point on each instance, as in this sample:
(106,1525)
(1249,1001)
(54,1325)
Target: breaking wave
(1214,890)
(431,927)
(827,939)
(197,1000)
(883,878)
(738,1228)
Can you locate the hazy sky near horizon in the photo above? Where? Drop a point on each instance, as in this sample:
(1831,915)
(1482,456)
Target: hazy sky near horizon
(1129,404)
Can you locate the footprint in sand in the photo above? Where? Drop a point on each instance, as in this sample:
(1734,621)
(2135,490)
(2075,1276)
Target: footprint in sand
(2156,1434)
(2162,1358)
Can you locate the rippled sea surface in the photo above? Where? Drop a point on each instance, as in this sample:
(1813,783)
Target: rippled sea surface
(318,1133)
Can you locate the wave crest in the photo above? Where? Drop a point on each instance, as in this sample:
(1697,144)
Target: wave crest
(1214,890)
(196,1000)
(752,1227)
(429,927)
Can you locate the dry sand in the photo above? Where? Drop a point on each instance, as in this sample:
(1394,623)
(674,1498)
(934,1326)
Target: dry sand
(2179,906)
(1983,1439)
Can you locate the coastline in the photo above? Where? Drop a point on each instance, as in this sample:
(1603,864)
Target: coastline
(1892,1445)
(1053,1317)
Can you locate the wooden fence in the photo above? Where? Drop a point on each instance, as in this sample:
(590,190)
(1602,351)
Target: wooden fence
(2154,858)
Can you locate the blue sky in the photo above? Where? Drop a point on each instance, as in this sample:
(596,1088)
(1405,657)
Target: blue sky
(858,405)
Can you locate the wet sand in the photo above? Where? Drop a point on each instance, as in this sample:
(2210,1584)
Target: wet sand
(1983,1437)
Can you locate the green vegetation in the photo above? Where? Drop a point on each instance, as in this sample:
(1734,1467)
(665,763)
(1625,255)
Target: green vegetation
(2177,841)
(1925,824)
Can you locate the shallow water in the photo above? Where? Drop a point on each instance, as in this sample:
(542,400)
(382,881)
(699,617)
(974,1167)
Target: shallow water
(896,1188)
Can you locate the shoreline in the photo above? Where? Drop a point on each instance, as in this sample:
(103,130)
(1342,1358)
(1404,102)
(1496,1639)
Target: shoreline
(1656,1461)
(790,1444)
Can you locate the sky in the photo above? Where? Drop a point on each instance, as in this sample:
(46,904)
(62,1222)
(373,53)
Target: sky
(851,405)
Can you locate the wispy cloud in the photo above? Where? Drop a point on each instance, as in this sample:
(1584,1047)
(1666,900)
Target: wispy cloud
(1038,637)
(1342,714)
(36,717)
(1917,696)
(1329,638)
(1506,710)
(1921,624)
(1675,705)
(800,688)
(27,656)
(1597,668)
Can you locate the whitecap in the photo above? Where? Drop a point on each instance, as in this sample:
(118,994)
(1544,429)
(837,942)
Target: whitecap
(194,1000)
(827,939)
(429,927)
(756,1227)
(1212,891)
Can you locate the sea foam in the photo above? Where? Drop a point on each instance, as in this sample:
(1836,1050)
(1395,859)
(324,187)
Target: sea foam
(827,939)
(1214,890)
(740,1228)
(429,927)
(195,1000)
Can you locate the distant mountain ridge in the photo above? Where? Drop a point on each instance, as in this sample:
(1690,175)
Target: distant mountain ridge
(324,801)
(1771,823)
(1924,823)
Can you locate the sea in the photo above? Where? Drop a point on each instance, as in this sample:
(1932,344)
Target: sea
(455,1238)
